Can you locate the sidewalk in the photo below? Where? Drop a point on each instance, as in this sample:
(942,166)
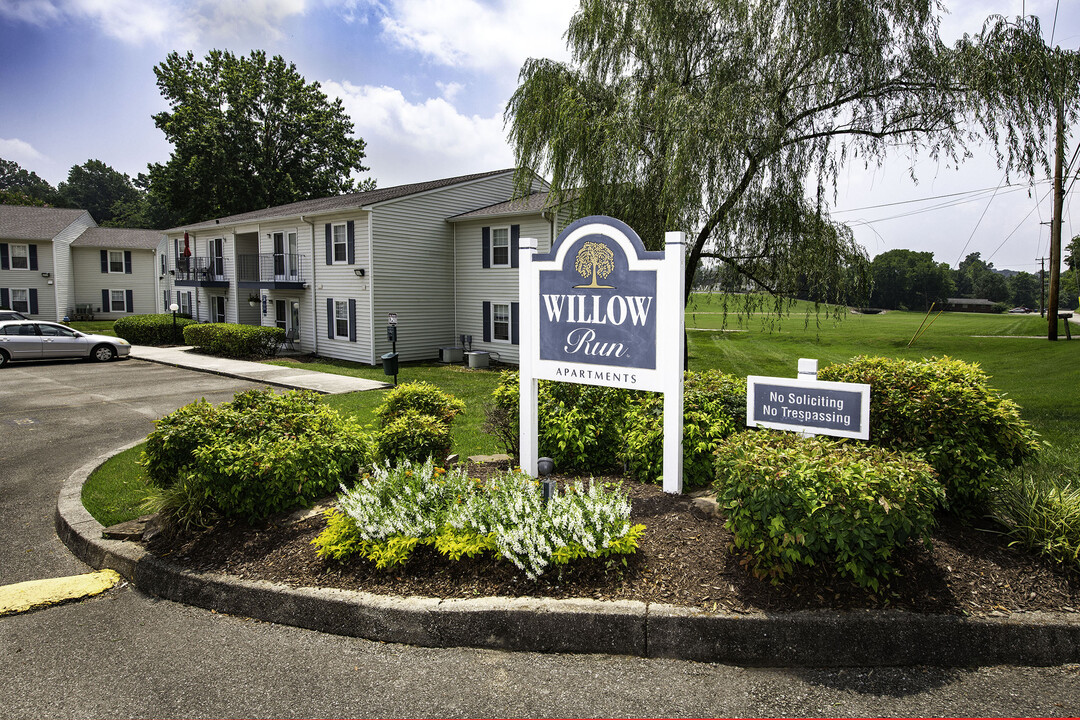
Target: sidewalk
(287,377)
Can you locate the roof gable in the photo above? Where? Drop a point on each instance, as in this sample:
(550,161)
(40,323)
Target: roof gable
(20,222)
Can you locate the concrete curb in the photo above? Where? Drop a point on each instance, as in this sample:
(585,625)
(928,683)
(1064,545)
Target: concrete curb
(808,638)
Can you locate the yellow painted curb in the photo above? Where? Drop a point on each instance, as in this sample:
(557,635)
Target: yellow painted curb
(24,596)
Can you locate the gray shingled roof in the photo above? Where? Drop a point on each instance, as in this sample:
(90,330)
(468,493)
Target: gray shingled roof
(19,222)
(338,202)
(126,238)
(527,205)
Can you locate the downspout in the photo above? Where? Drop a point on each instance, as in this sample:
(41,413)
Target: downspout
(371,280)
(454,339)
(313,303)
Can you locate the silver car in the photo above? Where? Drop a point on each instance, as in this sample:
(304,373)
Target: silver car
(35,340)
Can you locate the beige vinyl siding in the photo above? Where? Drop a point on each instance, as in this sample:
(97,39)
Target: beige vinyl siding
(28,279)
(414,264)
(63,272)
(90,281)
(477,284)
(339,282)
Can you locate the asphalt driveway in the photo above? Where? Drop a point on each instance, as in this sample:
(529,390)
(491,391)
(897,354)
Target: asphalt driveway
(124,654)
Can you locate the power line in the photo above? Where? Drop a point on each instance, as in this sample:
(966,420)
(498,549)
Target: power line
(930,197)
(1037,203)
(964,249)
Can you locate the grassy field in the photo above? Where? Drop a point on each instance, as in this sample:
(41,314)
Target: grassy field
(1039,375)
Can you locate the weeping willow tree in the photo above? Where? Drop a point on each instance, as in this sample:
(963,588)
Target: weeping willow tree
(730,119)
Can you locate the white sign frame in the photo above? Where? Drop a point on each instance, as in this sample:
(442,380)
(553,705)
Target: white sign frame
(666,377)
(864,414)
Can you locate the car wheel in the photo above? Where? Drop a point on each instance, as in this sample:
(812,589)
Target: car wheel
(103,353)
(3,358)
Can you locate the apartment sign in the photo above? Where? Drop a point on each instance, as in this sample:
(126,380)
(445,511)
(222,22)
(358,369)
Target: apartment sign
(599,309)
(810,406)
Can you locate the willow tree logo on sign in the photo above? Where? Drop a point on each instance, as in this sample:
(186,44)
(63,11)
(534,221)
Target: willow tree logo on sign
(608,320)
(599,309)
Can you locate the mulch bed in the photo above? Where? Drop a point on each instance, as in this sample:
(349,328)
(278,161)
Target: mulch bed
(684,559)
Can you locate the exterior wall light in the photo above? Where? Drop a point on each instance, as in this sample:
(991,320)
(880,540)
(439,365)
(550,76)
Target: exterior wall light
(359,272)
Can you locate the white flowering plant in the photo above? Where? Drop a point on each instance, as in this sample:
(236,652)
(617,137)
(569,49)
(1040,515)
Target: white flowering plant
(393,509)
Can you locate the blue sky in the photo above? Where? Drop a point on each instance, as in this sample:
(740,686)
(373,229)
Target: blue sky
(425,83)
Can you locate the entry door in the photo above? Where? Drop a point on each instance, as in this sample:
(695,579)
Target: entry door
(219,309)
(217,248)
(280,318)
(279,256)
(294,257)
(294,319)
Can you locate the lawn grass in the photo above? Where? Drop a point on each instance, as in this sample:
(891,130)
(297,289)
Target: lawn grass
(113,492)
(1039,375)
(96,327)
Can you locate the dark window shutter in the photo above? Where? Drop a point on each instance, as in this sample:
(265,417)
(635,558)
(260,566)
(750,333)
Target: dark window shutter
(350,234)
(515,321)
(330,316)
(4,257)
(106,301)
(176,254)
(515,237)
(263,304)
(4,298)
(487,321)
(129,300)
(127,262)
(191,305)
(329,245)
(104,261)
(33,301)
(33,257)
(485,235)
(352,320)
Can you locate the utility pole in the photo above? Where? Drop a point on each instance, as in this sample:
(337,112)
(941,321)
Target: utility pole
(1042,286)
(1055,221)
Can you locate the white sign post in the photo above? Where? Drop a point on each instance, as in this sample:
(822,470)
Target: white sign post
(601,310)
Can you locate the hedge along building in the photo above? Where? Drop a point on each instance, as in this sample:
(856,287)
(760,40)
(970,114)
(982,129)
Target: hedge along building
(56,261)
(329,271)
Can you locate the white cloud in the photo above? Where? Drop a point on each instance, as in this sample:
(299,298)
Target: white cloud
(410,142)
(20,151)
(479,35)
(179,23)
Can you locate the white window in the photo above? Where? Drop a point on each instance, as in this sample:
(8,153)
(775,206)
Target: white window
(20,257)
(116,301)
(20,299)
(500,247)
(184,301)
(219,309)
(500,322)
(341,244)
(116,261)
(163,258)
(341,318)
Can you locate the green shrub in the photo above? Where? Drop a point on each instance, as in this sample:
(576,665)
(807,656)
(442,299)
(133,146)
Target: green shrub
(394,509)
(415,437)
(235,341)
(791,500)
(944,409)
(714,406)
(423,397)
(152,329)
(257,455)
(579,425)
(1040,506)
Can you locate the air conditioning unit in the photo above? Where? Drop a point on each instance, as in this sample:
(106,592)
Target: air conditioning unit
(450,355)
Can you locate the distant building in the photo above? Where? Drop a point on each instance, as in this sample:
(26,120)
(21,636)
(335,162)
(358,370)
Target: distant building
(969,305)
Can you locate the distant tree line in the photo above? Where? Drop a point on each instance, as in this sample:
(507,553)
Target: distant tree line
(909,280)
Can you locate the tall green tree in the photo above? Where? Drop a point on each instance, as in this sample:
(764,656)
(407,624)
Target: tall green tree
(98,188)
(1024,290)
(729,120)
(249,133)
(909,280)
(23,187)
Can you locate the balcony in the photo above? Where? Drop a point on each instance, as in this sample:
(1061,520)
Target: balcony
(202,272)
(274,271)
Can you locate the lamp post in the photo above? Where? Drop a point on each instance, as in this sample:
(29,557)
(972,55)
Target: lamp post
(174,307)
